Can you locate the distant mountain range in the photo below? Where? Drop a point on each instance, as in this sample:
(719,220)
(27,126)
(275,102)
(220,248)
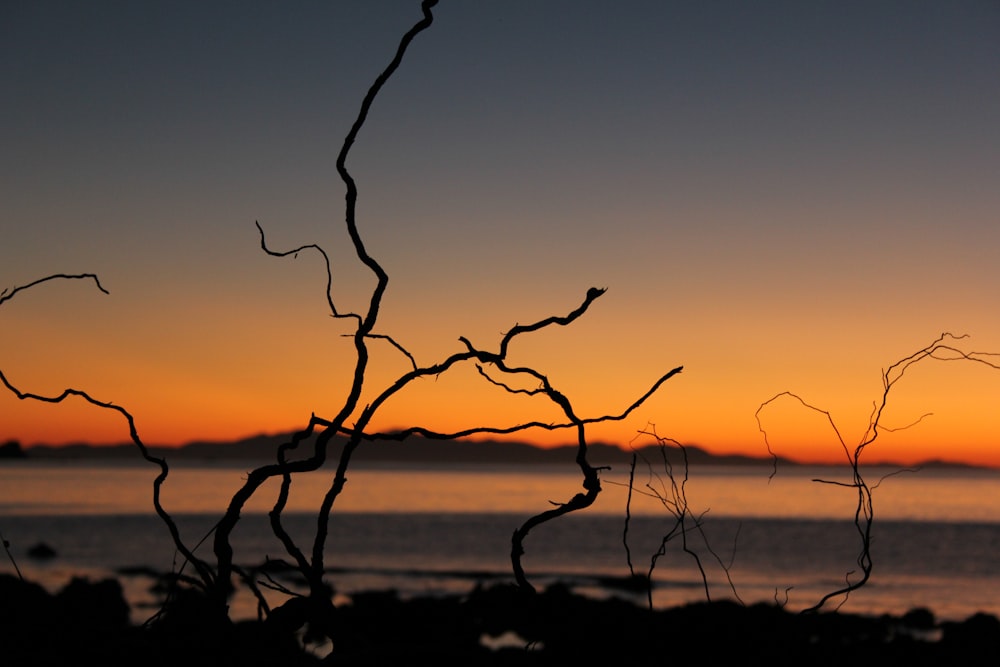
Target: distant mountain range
(415,450)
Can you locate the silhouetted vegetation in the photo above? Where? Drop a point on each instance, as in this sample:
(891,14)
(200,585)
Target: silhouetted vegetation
(88,622)
(667,477)
(212,581)
(944,348)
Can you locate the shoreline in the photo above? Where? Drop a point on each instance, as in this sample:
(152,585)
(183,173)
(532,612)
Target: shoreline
(415,450)
(943,566)
(498,624)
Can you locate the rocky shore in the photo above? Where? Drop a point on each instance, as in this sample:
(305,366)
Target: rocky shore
(88,623)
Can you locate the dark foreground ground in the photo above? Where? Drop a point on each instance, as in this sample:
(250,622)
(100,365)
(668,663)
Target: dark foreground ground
(87,623)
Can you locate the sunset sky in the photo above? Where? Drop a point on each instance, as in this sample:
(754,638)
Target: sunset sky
(780,196)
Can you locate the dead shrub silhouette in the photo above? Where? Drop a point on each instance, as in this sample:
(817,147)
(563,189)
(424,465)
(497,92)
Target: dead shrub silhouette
(205,593)
(943,348)
(667,479)
(214,577)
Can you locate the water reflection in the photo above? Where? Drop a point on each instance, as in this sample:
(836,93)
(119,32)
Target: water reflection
(61,488)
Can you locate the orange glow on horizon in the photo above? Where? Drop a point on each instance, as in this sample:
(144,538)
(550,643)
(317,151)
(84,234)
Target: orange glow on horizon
(801,440)
(939,411)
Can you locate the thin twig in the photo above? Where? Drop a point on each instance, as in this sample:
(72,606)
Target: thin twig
(6,548)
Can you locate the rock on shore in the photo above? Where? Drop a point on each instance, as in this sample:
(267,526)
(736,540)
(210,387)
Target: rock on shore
(87,623)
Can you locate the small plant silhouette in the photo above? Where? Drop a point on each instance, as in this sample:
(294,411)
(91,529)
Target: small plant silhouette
(215,577)
(944,348)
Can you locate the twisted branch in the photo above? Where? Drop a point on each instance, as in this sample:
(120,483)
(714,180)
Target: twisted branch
(203,570)
(8,293)
(941,349)
(365,325)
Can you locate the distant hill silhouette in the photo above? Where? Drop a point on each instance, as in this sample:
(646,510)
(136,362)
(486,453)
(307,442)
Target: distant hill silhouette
(11,450)
(414,450)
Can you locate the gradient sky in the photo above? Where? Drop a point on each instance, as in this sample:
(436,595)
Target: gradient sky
(778,196)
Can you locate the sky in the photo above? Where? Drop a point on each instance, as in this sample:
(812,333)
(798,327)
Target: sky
(778,196)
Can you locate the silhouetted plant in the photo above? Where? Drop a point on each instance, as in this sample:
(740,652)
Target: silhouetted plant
(667,481)
(215,578)
(207,578)
(315,608)
(669,488)
(944,348)
(10,556)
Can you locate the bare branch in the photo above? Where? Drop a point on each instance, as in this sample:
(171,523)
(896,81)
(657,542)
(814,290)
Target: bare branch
(326,262)
(316,607)
(672,494)
(392,341)
(506,387)
(593,294)
(366,324)
(507,430)
(628,514)
(591,484)
(352,190)
(796,397)
(203,570)
(8,293)
(10,556)
(941,349)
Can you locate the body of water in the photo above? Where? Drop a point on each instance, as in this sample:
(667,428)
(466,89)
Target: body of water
(936,538)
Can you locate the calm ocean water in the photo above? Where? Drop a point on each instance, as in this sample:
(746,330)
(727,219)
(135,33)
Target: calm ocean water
(936,541)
